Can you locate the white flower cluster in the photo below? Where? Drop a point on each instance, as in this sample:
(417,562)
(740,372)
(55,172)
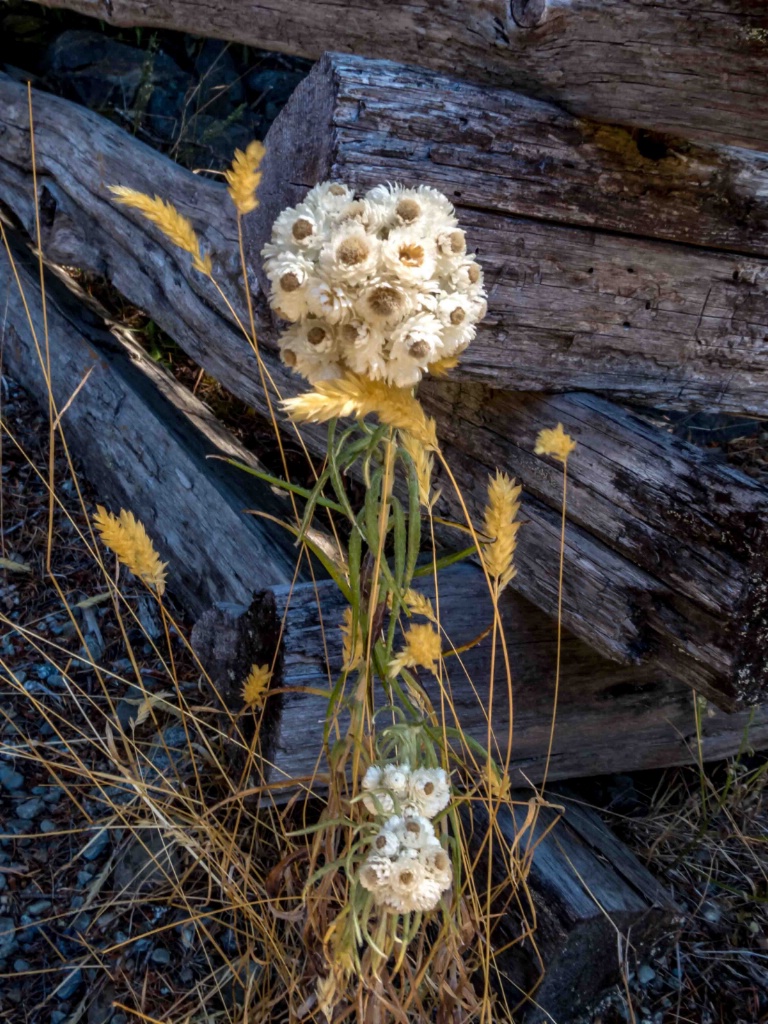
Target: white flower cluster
(406,869)
(381,285)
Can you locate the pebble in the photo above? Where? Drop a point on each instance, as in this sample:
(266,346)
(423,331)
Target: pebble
(46,825)
(71,984)
(10,779)
(97,845)
(7,937)
(30,808)
(21,965)
(161,956)
(39,907)
(645,974)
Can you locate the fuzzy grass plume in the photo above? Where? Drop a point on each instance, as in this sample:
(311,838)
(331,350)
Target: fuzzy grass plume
(422,650)
(125,536)
(353,395)
(555,443)
(255,686)
(174,225)
(500,526)
(244,176)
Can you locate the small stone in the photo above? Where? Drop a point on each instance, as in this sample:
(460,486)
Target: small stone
(96,845)
(10,779)
(645,974)
(70,984)
(21,965)
(29,808)
(58,1017)
(39,907)
(161,956)
(46,825)
(7,937)
(84,877)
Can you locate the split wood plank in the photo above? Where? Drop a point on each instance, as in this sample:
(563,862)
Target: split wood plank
(689,67)
(144,441)
(584,889)
(573,303)
(609,718)
(697,526)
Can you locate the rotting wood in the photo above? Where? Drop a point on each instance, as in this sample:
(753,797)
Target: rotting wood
(144,443)
(609,718)
(586,889)
(621,609)
(574,305)
(691,67)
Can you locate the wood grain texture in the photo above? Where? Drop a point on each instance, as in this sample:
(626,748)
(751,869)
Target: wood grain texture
(623,593)
(144,443)
(609,718)
(688,66)
(570,307)
(697,527)
(584,886)
(573,303)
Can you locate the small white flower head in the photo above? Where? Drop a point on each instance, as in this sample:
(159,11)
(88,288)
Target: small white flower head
(389,272)
(384,302)
(309,347)
(331,197)
(375,873)
(406,875)
(328,299)
(350,255)
(372,778)
(429,790)
(386,843)
(363,349)
(437,864)
(467,276)
(378,802)
(395,778)
(415,832)
(409,255)
(451,242)
(426,896)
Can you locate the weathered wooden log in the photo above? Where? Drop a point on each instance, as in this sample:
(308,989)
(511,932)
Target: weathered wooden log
(649,56)
(698,527)
(609,718)
(573,304)
(623,610)
(594,905)
(570,307)
(144,442)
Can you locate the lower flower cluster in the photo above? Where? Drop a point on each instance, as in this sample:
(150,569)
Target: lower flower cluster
(407,868)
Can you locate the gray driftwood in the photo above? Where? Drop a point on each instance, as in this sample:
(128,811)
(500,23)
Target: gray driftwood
(593,906)
(144,443)
(687,66)
(609,717)
(625,594)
